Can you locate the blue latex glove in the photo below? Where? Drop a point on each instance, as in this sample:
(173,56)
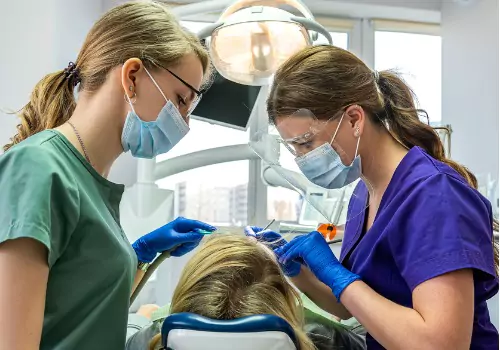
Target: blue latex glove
(274,241)
(316,253)
(181,234)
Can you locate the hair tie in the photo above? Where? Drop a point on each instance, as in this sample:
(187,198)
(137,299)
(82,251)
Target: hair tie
(376,75)
(72,74)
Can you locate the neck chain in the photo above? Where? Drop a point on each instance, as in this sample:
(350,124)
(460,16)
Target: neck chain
(81,142)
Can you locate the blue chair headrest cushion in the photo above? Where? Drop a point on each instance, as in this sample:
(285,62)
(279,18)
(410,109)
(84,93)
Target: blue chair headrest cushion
(247,324)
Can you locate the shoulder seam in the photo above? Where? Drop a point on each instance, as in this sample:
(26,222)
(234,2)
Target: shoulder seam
(477,195)
(48,139)
(440,171)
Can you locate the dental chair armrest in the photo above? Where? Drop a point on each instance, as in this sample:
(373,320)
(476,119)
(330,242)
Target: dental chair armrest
(135,323)
(140,339)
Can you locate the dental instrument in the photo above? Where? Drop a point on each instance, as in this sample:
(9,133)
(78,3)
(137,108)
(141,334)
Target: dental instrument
(269,224)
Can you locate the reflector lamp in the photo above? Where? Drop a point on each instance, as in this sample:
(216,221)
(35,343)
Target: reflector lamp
(252,38)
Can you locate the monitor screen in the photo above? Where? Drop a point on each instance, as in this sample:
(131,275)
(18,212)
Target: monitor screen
(227,103)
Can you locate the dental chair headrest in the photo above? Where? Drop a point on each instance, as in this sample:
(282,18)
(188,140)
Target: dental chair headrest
(186,331)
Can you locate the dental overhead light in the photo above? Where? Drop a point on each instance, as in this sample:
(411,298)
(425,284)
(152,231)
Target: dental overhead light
(253,38)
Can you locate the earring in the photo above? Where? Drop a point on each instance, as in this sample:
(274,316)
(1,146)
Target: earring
(130,99)
(356,132)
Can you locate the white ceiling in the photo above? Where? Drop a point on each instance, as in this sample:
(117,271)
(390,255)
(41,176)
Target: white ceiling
(416,4)
(425,11)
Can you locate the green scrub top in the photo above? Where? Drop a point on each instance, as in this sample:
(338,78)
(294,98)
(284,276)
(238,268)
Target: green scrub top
(50,193)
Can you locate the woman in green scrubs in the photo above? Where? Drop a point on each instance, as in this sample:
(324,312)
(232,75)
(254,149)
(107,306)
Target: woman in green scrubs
(67,269)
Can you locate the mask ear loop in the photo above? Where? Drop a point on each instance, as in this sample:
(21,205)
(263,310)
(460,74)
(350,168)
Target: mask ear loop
(338,127)
(156,84)
(357,144)
(357,134)
(130,102)
(183,124)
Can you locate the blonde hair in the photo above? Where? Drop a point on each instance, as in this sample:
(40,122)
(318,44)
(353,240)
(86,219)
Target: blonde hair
(139,29)
(233,276)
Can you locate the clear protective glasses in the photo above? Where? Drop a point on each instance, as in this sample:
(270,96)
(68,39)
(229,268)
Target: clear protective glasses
(291,138)
(302,132)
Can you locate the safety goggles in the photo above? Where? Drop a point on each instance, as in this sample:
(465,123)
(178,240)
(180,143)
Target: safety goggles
(309,132)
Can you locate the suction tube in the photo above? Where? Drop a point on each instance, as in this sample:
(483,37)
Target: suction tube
(161,258)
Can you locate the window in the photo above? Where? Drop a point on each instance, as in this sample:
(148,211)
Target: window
(284,204)
(217,193)
(202,136)
(340,39)
(418,58)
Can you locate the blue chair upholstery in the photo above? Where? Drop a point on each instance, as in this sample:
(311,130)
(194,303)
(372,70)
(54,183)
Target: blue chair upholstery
(210,331)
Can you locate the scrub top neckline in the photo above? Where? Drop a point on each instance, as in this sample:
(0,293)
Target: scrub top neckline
(360,227)
(395,178)
(87,165)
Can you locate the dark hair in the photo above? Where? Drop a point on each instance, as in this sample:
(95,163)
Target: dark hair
(137,29)
(325,79)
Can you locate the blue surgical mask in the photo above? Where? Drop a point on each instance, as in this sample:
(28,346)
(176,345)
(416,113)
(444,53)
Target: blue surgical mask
(323,166)
(149,139)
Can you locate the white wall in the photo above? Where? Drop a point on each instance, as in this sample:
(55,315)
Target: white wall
(108,4)
(470,82)
(470,87)
(36,38)
(27,41)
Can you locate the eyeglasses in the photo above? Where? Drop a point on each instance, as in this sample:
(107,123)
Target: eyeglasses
(198,94)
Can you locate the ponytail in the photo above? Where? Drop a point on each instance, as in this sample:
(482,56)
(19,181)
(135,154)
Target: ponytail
(402,118)
(51,105)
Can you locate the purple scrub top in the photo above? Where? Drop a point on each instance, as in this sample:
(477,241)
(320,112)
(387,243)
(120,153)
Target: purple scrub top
(430,222)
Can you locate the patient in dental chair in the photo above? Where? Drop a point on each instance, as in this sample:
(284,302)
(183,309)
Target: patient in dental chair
(233,276)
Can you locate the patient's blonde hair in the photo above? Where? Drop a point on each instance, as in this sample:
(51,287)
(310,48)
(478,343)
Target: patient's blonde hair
(233,276)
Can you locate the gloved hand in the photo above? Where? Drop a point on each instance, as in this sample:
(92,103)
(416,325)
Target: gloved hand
(316,253)
(274,241)
(181,234)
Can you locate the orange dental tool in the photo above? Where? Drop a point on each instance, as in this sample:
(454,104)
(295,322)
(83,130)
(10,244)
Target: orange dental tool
(329,231)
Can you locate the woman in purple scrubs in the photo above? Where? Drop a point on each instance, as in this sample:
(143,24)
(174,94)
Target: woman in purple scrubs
(418,264)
